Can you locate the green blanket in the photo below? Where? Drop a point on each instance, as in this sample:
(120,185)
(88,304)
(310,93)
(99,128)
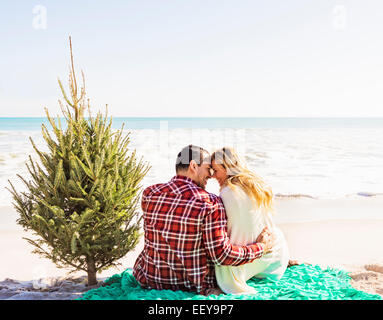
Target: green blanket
(302,282)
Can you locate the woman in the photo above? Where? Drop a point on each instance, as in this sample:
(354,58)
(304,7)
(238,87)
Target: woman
(248,203)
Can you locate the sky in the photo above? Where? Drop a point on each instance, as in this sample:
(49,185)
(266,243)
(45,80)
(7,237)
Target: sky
(196,58)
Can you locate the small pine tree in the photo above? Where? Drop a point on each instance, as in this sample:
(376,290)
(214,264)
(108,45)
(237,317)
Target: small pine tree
(82,200)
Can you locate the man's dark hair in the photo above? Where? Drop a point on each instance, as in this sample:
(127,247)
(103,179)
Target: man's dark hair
(188,154)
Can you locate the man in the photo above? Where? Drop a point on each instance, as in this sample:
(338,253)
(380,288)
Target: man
(186,231)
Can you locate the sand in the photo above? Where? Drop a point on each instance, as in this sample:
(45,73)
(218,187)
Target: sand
(342,233)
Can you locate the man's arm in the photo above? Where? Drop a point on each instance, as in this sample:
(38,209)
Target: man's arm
(217,242)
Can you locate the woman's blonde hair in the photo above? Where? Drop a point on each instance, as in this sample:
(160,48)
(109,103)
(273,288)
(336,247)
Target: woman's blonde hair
(239,175)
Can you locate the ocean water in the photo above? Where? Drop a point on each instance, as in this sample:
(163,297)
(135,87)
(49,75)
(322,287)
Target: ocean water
(315,157)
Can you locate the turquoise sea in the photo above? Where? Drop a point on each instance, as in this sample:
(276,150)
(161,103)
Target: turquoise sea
(10,124)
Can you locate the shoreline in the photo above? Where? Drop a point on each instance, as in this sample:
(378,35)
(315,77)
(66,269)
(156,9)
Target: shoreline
(293,208)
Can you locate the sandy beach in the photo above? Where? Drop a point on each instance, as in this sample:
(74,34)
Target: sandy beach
(341,233)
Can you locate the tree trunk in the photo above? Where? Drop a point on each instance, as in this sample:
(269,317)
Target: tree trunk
(92,278)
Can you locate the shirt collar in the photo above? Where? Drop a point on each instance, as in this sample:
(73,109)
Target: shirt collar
(183,179)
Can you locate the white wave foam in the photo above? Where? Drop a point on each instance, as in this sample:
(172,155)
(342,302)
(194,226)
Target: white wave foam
(301,162)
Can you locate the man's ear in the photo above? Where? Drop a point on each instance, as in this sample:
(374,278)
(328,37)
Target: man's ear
(193,166)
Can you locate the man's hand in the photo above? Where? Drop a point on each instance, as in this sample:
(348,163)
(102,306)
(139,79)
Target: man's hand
(267,238)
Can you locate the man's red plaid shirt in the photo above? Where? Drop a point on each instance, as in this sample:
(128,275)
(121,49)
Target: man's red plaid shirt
(185,235)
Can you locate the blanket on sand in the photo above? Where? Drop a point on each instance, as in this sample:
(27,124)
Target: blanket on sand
(301,282)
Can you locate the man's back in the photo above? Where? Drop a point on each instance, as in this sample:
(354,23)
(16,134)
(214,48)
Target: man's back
(185,235)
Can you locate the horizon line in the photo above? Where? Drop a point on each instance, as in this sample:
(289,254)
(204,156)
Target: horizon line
(211,117)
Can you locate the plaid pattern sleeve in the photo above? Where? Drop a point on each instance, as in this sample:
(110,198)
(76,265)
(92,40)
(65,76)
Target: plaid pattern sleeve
(217,242)
(185,235)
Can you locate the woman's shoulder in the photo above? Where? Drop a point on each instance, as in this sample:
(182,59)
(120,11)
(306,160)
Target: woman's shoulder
(232,191)
(226,190)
